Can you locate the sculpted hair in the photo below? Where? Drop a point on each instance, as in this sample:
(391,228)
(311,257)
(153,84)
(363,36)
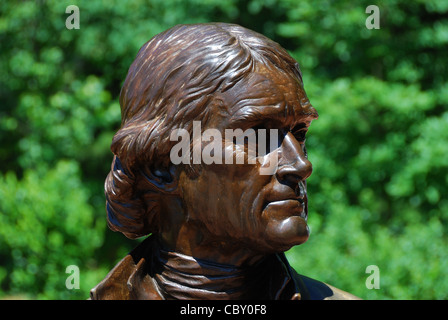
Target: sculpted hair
(177,77)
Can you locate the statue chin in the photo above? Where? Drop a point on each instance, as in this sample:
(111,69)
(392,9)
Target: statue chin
(286,225)
(284,234)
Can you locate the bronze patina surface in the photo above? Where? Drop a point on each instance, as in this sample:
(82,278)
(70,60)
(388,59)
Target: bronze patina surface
(216,230)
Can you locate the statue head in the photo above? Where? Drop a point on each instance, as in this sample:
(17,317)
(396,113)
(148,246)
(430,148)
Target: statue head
(222,77)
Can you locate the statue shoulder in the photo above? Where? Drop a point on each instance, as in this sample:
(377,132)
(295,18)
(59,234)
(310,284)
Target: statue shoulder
(318,290)
(114,285)
(122,281)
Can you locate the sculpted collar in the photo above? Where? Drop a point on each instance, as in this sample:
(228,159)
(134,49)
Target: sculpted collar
(149,272)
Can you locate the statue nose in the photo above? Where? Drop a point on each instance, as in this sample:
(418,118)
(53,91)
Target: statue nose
(293,164)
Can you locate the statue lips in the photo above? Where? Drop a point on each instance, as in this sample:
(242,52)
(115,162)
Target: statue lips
(286,218)
(281,209)
(282,202)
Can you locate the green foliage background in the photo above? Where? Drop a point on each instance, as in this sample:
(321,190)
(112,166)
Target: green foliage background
(379,149)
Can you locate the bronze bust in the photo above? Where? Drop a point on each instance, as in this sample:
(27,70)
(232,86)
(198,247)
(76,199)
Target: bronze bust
(216,230)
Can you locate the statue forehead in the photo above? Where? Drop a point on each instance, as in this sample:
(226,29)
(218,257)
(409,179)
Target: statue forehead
(270,94)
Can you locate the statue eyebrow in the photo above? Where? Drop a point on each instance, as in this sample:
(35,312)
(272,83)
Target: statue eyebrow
(251,114)
(254,115)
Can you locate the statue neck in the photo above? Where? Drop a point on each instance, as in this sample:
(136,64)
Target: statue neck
(184,277)
(179,276)
(192,239)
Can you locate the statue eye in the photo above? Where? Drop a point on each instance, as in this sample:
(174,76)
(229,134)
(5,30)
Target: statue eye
(300,135)
(268,139)
(262,134)
(299,132)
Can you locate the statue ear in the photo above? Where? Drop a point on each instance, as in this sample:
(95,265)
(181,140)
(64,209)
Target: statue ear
(164,175)
(164,180)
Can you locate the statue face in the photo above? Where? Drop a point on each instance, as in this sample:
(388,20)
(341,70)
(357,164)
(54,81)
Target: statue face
(237,203)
